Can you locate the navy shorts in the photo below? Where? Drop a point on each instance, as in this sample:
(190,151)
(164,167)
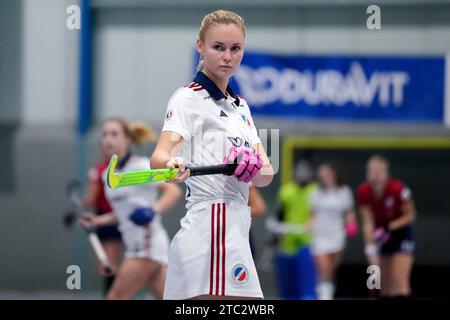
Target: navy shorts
(109,232)
(400,241)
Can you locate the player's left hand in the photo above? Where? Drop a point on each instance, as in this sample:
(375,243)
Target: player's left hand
(142,216)
(88,221)
(351,228)
(248,162)
(381,235)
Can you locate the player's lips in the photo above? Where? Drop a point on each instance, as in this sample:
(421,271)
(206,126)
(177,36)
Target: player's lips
(226,67)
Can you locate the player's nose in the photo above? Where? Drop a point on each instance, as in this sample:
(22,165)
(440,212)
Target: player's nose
(226,55)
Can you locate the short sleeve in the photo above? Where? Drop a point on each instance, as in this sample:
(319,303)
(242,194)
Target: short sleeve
(404,194)
(178,114)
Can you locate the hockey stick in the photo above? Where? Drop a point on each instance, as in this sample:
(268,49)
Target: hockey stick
(276,229)
(74,215)
(132,178)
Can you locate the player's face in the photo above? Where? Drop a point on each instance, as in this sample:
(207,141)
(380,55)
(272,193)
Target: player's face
(114,139)
(326,176)
(377,173)
(222,50)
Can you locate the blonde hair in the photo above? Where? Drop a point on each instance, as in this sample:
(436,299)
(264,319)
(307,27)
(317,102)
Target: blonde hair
(215,18)
(139,132)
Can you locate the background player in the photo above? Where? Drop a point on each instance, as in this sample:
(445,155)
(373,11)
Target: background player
(332,218)
(137,209)
(210,256)
(294,263)
(109,235)
(388,211)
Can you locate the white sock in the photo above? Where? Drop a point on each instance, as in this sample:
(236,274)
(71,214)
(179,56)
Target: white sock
(325,290)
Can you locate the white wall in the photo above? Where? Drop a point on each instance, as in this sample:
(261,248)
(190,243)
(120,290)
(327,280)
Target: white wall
(50,57)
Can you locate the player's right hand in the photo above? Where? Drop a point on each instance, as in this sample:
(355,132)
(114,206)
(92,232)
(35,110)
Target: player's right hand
(178,162)
(371,252)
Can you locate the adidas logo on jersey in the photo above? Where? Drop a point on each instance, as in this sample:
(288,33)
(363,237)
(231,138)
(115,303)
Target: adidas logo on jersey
(223,114)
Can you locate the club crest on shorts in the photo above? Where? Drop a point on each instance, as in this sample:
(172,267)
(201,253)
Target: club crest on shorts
(239,273)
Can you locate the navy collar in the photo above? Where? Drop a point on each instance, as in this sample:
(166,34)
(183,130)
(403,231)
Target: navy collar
(123,162)
(212,89)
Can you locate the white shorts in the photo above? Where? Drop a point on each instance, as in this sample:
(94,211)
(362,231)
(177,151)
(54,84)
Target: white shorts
(150,241)
(331,242)
(210,254)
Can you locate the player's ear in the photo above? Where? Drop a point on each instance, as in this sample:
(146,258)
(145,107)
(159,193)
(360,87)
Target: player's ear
(200,46)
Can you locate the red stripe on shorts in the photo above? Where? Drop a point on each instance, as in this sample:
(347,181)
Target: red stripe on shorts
(148,238)
(211,270)
(223,246)
(218,250)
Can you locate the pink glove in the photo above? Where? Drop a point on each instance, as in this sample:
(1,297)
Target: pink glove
(351,228)
(381,235)
(249,162)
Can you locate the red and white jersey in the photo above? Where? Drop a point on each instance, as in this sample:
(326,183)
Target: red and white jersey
(388,206)
(210,124)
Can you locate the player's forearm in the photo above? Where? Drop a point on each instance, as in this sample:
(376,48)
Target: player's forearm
(168,199)
(350,216)
(88,202)
(368,226)
(258,209)
(159,159)
(367,232)
(90,196)
(405,219)
(264,176)
(106,219)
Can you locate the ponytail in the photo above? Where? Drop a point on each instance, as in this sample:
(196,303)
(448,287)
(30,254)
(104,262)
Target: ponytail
(139,132)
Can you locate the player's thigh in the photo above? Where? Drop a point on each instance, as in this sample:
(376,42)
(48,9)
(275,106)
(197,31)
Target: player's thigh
(113,249)
(319,260)
(335,260)
(324,265)
(131,277)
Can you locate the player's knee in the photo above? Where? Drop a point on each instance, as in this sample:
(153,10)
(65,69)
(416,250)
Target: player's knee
(115,294)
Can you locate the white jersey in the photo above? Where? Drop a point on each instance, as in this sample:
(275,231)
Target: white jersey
(149,241)
(210,125)
(329,207)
